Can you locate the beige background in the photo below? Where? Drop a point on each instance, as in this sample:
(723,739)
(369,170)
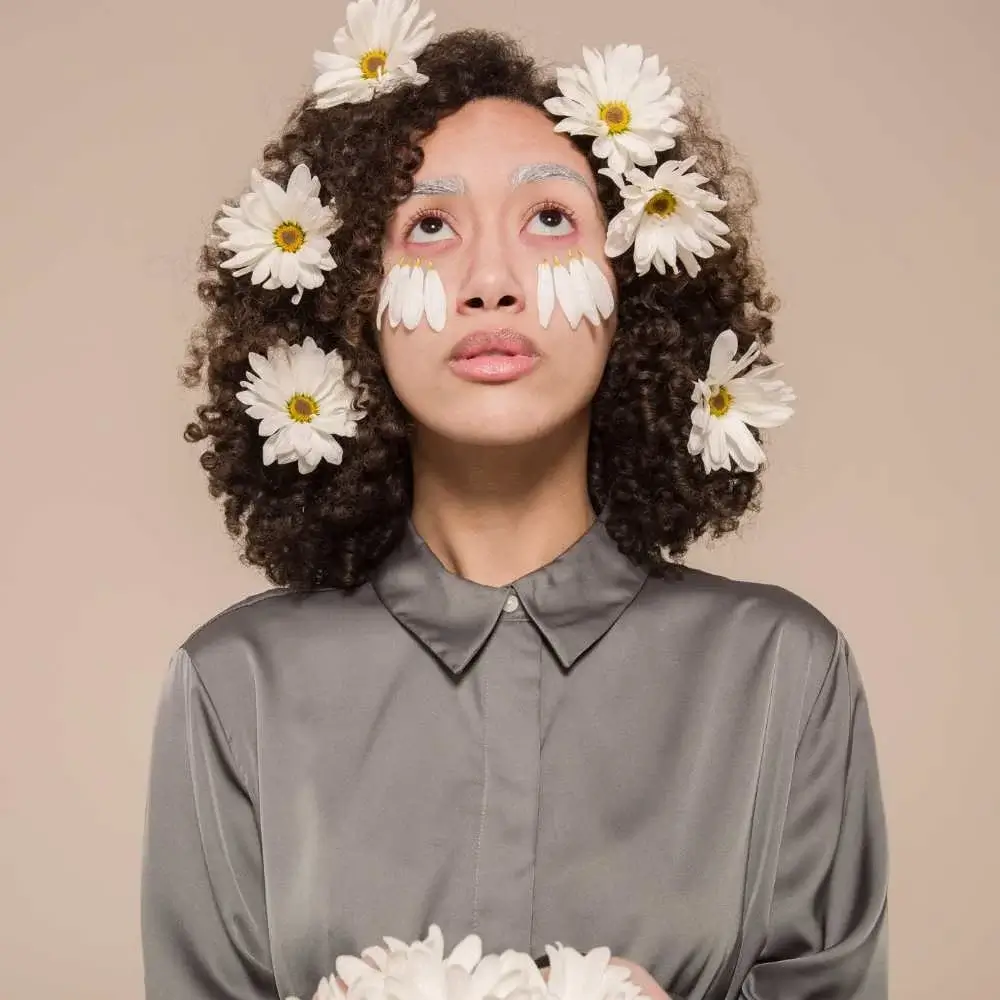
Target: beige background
(872,130)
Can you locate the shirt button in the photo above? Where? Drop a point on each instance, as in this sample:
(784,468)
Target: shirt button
(511,604)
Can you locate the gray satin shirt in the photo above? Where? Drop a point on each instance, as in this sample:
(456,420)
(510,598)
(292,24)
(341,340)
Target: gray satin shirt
(682,770)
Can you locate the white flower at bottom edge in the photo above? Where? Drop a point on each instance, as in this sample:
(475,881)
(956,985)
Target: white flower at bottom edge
(574,976)
(377,964)
(303,402)
(667,217)
(375,52)
(512,975)
(280,236)
(420,971)
(580,287)
(728,402)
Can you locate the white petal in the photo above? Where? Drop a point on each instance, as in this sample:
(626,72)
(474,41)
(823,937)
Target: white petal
(649,238)
(716,452)
(377,954)
(739,365)
(584,296)
(616,177)
(383,297)
(244,258)
(696,441)
(566,295)
(621,232)
(270,452)
(361,22)
(330,449)
(576,126)
(743,446)
(598,77)
(618,157)
(636,148)
(351,969)
(546,294)
(288,269)
(413,298)
(600,287)
(723,351)
(396,296)
(272,422)
(467,953)
(435,300)
(689,261)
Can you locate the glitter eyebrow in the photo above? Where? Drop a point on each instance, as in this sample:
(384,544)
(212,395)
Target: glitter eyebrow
(438,185)
(543,171)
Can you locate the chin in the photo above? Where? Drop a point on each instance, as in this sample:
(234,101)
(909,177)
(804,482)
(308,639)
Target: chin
(496,426)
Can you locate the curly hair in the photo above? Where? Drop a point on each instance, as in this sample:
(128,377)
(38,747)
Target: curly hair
(332,528)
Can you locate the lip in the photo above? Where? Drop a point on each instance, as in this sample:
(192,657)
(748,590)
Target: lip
(494,356)
(494,367)
(501,341)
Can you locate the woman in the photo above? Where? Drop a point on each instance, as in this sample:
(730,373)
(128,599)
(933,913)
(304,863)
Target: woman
(498,384)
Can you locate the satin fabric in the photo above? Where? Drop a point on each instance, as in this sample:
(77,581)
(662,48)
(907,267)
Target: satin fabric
(681,770)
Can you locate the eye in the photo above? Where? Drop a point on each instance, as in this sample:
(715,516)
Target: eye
(552,220)
(429,229)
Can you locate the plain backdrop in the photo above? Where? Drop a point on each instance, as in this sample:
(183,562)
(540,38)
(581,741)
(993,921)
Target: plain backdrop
(872,131)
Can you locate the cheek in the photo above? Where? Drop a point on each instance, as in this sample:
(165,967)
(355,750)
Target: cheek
(401,353)
(414,366)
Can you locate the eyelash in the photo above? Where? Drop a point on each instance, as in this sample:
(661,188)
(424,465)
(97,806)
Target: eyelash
(437,213)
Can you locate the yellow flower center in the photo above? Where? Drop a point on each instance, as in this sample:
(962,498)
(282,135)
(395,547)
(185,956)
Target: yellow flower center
(616,115)
(290,237)
(720,401)
(302,408)
(372,63)
(663,203)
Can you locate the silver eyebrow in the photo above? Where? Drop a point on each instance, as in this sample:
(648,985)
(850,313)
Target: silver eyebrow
(543,171)
(438,185)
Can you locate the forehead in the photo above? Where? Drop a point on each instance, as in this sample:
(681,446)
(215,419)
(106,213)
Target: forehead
(492,138)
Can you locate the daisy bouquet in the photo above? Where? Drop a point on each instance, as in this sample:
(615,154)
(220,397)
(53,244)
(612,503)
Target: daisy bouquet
(422,971)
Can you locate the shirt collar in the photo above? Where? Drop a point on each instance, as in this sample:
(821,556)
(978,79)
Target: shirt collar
(572,600)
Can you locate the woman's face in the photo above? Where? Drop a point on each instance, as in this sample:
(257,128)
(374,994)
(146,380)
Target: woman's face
(499,193)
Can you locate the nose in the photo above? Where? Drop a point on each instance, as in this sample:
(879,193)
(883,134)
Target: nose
(490,284)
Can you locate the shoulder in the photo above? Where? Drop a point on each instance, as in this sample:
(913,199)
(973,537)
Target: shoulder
(790,643)
(753,603)
(243,645)
(276,614)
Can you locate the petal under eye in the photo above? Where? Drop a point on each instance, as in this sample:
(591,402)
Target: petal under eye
(550,222)
(430,229)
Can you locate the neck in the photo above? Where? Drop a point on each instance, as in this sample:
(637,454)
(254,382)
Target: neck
(493,513)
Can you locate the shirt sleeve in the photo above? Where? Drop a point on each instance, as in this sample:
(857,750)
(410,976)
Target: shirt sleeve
(828,924)
(204,928)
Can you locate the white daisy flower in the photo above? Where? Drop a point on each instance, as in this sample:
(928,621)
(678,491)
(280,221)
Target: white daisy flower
(622,99)
(378,963)
(303,402)
(421,970)
(512,975)
(410,291)
(280,236)
(581,288)
(574,976)
(375,52)
(667,217)
(728,402)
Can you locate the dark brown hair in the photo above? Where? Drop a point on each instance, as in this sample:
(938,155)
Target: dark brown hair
(332,527)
